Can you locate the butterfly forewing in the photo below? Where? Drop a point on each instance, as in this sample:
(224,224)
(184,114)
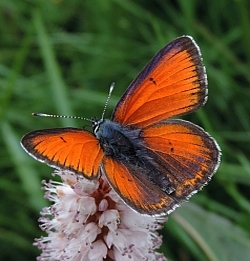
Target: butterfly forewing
(173,83)
(66,148)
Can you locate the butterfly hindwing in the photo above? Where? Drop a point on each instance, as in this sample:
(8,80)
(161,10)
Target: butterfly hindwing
(136,191)
(66,148)
(189,155)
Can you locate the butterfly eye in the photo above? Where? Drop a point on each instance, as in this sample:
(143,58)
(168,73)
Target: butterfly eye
(96,125)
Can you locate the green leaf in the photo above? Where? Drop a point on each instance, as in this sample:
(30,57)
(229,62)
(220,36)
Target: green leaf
(217,237)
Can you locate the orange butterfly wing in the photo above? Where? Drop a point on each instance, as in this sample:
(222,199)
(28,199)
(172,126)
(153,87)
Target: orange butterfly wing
(189,155)
(137,192)
(183,154)
(66,148)
(172,83)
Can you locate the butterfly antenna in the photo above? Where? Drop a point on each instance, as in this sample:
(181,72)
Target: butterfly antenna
(111,88)
(60,116)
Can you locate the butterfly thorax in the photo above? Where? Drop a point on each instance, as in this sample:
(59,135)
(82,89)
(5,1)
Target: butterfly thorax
(117,141)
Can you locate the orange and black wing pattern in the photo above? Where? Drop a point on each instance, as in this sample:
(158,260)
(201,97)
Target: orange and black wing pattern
(189,155)
(136,191)
(172,83)
(72,149)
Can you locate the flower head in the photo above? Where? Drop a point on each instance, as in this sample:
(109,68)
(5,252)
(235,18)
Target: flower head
(88,221)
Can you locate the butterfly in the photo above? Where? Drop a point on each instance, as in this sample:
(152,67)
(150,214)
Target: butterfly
(153,161)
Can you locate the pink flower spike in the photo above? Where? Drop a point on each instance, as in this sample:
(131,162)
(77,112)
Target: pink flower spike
(88,221)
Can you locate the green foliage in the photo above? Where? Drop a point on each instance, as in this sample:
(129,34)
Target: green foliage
(61,56)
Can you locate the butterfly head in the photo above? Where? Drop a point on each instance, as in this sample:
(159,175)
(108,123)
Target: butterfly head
(96,125)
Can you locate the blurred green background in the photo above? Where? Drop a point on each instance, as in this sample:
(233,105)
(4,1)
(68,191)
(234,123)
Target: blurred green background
(61,56)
